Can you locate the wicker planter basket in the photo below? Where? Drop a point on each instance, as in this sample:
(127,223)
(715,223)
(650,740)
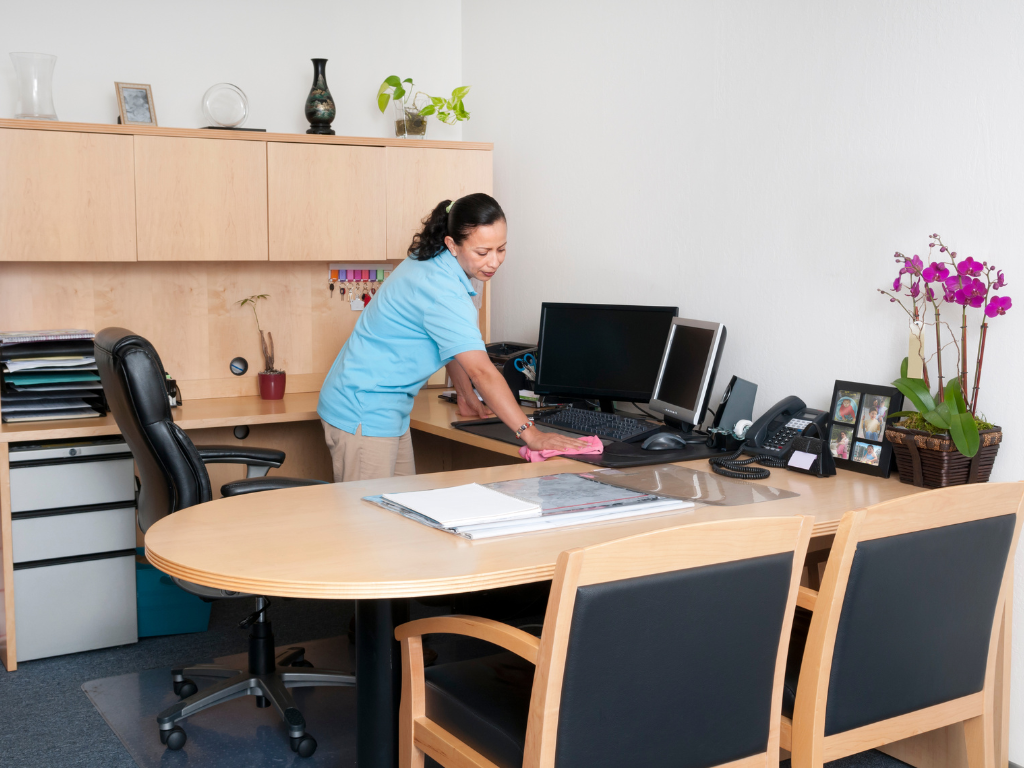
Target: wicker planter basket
(932,461)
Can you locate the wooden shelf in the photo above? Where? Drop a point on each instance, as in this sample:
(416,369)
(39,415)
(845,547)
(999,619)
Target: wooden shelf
(205,133)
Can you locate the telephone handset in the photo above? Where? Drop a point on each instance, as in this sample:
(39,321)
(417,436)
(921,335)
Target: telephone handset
(773,433)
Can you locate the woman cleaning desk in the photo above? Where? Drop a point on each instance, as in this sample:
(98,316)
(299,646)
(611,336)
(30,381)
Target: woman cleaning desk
(423,317)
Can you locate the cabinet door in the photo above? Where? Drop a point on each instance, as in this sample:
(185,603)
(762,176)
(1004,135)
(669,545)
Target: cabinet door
(201,199)
(326,202)
(418,179)
(66,196)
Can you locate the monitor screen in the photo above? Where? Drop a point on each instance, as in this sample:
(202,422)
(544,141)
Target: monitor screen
(687,371)
(601,350)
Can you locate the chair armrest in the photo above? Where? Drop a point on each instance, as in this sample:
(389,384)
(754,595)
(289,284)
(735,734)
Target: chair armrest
(258,484)
(232,454)
(511,639)
(806,598)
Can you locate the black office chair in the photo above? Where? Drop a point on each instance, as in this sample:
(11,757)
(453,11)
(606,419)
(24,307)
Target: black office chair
(173,476)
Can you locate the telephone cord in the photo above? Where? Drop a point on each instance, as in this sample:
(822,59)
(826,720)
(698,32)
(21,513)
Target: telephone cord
(735,467)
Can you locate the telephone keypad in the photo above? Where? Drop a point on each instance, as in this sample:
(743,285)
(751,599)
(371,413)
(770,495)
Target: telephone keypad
(781,438)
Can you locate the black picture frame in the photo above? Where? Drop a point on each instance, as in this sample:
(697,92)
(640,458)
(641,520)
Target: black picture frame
(866,450)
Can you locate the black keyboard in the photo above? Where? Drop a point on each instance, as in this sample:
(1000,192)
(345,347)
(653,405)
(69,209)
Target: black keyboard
(610,426)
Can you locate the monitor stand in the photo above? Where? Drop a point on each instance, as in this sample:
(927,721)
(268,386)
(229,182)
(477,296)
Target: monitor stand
(685,427)
(607,405)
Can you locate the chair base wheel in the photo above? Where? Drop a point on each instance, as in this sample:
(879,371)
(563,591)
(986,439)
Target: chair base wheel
(305,745)
(185,688)
(175,738)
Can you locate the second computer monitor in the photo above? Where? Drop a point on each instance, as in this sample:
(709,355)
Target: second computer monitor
(602,351)
(687,372)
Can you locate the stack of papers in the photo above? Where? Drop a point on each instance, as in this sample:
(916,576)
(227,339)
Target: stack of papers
(47,375)
(523,506)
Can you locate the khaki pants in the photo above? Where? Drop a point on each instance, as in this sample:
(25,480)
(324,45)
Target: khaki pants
(355,457)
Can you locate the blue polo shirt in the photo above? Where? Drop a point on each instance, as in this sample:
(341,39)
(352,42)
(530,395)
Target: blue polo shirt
(421,318)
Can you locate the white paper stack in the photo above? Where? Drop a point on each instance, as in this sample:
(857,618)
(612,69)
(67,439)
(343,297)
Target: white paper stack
(524,506)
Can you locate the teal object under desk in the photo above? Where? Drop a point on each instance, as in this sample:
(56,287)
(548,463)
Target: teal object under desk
(164,608)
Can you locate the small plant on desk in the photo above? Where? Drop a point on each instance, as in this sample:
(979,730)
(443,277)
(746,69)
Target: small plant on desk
(271,380)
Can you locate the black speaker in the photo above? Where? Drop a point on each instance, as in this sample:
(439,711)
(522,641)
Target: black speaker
(737,404)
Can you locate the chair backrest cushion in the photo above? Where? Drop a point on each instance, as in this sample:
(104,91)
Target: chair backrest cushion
(170,471)
(674,669)
(916,621)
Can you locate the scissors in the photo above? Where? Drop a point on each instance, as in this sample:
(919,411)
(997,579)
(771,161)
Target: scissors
(527,365)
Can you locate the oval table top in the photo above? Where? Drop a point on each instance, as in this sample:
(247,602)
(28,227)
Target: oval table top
(324,541)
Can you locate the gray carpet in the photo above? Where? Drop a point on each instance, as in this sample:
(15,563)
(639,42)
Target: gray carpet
(49,721)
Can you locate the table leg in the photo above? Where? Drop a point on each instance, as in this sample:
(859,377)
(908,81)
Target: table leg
(378,681)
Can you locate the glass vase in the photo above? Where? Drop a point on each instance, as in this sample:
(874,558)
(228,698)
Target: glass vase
(409,123)
(35,85)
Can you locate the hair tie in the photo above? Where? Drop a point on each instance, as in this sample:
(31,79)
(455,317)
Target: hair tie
(449,208)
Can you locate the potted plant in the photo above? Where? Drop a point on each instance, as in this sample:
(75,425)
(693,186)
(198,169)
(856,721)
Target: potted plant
(946,441)
(411,110)
(271,380)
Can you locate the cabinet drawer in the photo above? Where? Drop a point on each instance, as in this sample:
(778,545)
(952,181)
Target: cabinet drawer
(69,534)
(86,480)
(78,605)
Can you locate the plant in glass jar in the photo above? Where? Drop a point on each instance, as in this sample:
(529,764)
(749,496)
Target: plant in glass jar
(412,109)
(271,380)
(946,441)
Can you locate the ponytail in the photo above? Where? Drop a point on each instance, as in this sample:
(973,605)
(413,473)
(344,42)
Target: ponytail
(456,219)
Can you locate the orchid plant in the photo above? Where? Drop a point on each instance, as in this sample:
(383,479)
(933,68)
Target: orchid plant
(965,284)
(266,338)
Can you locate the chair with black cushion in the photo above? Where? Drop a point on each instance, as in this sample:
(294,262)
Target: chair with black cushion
(903,637)
(173,476)
(691,676)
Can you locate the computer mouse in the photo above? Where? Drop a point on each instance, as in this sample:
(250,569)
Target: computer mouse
(664,441)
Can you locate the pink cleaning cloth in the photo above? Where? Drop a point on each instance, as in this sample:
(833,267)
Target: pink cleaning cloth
(594,445)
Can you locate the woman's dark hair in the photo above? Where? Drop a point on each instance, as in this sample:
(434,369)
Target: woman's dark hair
(456,219)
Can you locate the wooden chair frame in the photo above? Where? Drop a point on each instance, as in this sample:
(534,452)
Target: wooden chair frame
(642,555)
(805,735)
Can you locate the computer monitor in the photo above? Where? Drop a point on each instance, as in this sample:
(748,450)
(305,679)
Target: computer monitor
(602,351)
(687,372)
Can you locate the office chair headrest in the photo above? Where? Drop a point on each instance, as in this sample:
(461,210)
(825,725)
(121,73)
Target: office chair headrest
(129,366)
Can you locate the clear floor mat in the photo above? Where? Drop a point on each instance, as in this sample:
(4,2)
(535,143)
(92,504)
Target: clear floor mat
(235,734)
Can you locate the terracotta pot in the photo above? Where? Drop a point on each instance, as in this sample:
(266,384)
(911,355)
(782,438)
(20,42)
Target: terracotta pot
(272,385)
(932,461)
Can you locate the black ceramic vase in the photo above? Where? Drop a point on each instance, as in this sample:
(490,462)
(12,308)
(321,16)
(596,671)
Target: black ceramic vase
(320,109)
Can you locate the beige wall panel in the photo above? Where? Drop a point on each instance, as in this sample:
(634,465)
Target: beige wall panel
(201,199)
(326,202)
(66,197)
(418,179)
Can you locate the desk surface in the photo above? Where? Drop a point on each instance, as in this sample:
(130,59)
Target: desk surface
(325,541)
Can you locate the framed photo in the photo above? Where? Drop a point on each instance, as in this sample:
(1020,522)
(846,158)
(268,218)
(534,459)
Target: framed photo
(856,427)
(135,104)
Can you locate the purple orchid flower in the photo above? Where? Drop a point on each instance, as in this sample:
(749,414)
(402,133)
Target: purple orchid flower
(898,282)
(935,272)
(998,305)
(970,267)
(1000,280)
(929,294)
(915,289)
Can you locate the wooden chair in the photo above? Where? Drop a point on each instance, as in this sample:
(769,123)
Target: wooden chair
(905,630)
(662,649)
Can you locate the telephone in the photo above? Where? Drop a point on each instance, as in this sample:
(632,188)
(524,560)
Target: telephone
(773,433)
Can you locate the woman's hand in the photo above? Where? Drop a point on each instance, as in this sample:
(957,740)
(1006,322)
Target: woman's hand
(549,441)
(474,409)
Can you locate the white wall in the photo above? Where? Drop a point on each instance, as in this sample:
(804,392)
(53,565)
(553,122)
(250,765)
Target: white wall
(263,47)
(758,164)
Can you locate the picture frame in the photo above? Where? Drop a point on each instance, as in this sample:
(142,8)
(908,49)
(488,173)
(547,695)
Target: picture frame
(858,416)
(135,104)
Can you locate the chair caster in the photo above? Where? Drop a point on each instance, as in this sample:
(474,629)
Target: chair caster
(185,688)
(175,738)
(305,745)
(302,663)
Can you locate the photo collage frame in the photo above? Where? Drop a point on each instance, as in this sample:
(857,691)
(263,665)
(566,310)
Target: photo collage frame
(856,428)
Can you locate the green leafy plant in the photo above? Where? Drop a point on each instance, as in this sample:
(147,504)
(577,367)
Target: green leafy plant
(448,111)
(266,338)
(947,415)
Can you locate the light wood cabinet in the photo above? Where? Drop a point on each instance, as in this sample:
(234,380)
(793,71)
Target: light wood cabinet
(201,199)
(419,178)
(326,203)
(66,196)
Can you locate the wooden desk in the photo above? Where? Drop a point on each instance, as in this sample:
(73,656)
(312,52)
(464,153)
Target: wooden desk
(326,542)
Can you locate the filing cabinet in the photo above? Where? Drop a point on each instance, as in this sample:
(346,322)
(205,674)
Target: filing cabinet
(73,539)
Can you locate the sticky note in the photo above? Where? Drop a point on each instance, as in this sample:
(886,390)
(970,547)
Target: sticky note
(802,459)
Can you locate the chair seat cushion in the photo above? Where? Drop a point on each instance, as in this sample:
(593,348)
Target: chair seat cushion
(485,703)
(797,642)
